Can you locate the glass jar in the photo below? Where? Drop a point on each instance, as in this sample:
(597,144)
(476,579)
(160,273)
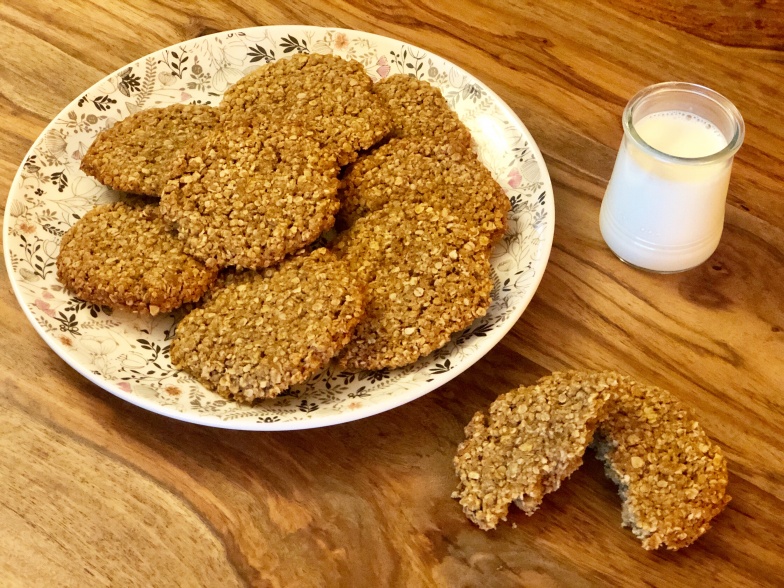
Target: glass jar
(664,206)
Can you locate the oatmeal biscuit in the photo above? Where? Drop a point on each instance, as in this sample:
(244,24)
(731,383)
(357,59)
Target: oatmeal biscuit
(422,170)
(531,440)
(136,154)
(125,256)
(671,477)
(324,94)
(428,276)
(251,193)
(418,109)
(261,332)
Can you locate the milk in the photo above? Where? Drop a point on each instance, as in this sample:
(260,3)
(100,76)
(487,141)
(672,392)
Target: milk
(681,134)
(662,214)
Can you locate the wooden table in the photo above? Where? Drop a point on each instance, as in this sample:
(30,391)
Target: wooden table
(94,491)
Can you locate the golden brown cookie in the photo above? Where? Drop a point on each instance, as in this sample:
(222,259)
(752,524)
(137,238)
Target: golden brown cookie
(251,193)
(125,256)
(261,332)
(428,276)
(425,170)
(136,154)
(324,94)
(419,109)
(671,477)
(531,440)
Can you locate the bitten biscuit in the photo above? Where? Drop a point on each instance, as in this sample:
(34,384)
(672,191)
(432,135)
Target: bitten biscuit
(125,256)
(428,276)
(671,477)
(251,193)
(261,332)
(418,109)
(328,96)
(136,155)
(422,170)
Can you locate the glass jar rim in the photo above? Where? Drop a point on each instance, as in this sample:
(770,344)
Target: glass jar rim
(728,107)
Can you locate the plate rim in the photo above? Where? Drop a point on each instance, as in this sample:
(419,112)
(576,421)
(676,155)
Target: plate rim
(383,405)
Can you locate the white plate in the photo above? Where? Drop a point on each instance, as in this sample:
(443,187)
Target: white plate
(128,355)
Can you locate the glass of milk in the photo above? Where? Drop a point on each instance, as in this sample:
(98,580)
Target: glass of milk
(664,206)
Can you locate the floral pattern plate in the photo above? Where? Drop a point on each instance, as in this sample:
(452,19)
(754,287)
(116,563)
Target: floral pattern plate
(128,355)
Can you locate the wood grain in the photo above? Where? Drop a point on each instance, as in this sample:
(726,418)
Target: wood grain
(96,492)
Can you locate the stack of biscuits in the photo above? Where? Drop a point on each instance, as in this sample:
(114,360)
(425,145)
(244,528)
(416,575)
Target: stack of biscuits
(230,200)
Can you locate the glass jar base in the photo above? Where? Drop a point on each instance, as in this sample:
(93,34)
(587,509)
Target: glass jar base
(655,271)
